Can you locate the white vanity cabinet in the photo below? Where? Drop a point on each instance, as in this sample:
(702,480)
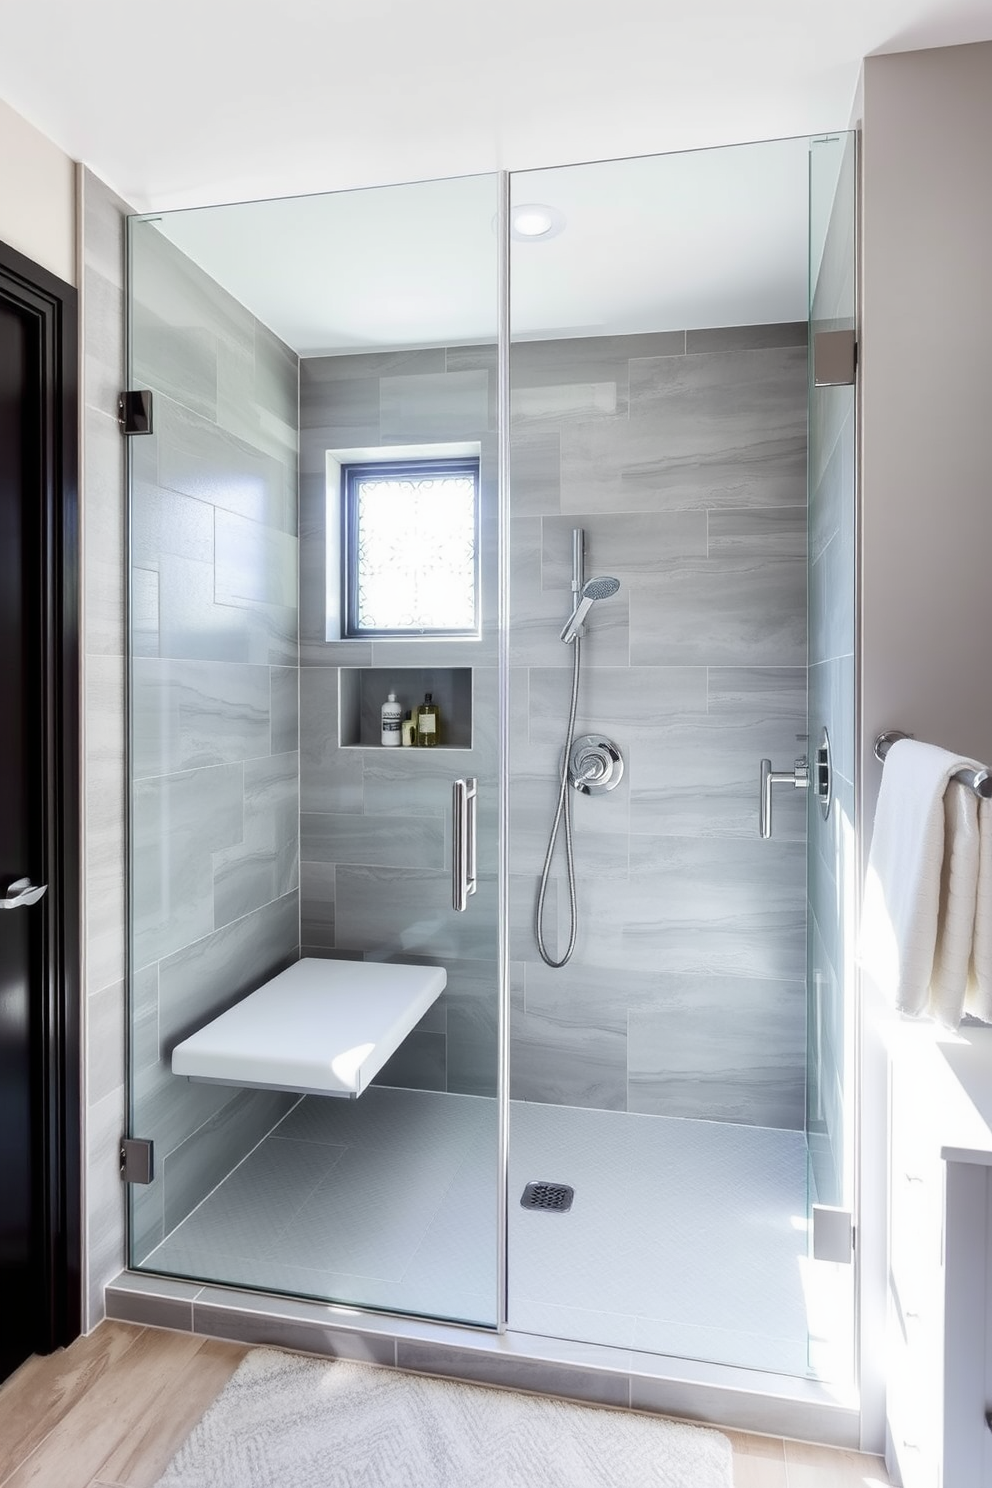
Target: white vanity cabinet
(939,1316)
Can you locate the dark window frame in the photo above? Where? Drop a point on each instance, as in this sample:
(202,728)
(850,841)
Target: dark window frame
(421,469)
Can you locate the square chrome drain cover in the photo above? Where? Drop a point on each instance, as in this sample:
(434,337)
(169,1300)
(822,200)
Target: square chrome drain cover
(554,1196)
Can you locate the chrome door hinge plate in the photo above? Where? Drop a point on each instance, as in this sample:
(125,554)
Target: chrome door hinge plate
(134,411)
(137,1160)
(833,1234)
(835,358)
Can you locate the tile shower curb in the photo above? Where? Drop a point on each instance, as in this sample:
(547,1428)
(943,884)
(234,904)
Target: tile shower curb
(711,1394)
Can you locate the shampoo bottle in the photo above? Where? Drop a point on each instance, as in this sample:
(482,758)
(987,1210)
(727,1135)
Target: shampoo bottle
(428,723)
(392,716)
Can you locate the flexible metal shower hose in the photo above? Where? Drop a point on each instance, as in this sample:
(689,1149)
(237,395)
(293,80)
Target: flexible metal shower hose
(562,811)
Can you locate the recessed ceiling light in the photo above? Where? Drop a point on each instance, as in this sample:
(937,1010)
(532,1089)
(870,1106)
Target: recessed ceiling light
(533,220)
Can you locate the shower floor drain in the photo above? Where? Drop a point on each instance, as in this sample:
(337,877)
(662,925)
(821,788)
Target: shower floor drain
(554,1196)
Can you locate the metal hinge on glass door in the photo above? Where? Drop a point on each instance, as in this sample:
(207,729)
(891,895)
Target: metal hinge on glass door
(833,1234)
(134,411)
(835,358)
(137,1160)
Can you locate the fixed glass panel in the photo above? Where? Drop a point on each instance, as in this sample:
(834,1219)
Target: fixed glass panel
(283,342)
(658,1064)
(831,855)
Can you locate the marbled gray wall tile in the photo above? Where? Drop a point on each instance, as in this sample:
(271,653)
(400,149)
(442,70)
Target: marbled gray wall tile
(548,404)
(529,358)
(699,776)
(103,480)
(143,1015)
(418,1064)
(163,521)
(535,472)
(207,976)
(179,822)
(720,612)
(330,777)
(774,692)
(620,544)
(334,405)
(434,406)
(253,562)
(105,1014)
(372,364)
(188,715)
(265,864)
(284,710)
(632,701)
(560,1062)
(780,531)
(317,904)
(722,1049)
(386,841)
(746,338)
(144,613)
(277,379)
(382,911)
(201,460)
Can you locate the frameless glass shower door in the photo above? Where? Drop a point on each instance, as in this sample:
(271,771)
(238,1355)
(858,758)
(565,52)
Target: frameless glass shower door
(659,407)
(318,369)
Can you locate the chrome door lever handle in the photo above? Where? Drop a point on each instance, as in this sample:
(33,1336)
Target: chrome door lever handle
(798,777)
(22,893)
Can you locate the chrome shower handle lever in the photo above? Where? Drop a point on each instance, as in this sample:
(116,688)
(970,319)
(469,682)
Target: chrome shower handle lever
(798,777)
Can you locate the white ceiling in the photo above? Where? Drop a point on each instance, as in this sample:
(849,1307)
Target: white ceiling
(183,102)
(708,237)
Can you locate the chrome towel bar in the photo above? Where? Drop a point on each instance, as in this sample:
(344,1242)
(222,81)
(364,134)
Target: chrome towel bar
(980,781)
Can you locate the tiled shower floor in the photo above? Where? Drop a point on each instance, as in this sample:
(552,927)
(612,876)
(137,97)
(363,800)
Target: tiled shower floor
(685,1237)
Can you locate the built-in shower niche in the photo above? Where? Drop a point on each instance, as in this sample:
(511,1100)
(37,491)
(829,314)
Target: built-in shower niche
(363,690)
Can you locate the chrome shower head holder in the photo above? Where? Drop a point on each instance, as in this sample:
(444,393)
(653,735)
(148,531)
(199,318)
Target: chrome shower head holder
(592,589)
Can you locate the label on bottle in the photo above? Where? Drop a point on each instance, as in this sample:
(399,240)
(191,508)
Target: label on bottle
(391,725)
(427,723)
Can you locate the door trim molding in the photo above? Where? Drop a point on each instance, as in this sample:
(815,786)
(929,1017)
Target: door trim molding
(51,306)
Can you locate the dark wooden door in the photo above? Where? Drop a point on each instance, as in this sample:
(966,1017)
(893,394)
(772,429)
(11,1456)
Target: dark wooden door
(39,1179)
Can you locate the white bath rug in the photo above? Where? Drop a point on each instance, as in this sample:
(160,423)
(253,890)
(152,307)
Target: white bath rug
(284,1421)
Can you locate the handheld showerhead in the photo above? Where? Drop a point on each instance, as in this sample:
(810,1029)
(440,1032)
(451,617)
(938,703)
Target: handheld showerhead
(592,590)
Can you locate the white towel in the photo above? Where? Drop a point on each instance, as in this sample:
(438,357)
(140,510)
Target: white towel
(918,924)
(979,998)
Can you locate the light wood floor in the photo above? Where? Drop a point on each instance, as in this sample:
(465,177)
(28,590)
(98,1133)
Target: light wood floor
(110,1411)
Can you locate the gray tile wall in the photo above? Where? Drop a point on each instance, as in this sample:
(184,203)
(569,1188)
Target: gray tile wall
(683,456)
(832,864)
(215,764)
(101,276)
(376,823)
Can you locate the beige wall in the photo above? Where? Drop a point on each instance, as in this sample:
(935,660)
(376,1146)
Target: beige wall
(927,430)
(37,196)
(926,475)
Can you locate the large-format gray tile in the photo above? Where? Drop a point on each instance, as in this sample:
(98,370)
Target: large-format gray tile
(208,975)
(317,904)
(777,530)
(687,1056)
(620,544)
(726,611)
(265,864)
(420,1062)
(434,406)
(385,910)
(746,337)
(179,822)
(569,1062)
(253,562)
(198,459)
(189,715)
(284,709)
(625,702)
(330,777)
(699,776)
(387,841)
(535,472)
(105,1017)
(723,429)
(164,521)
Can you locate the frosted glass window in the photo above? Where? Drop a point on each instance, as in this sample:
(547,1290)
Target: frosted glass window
(411,548)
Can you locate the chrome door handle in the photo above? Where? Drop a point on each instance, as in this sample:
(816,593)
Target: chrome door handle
(798,777)
(22,893)
(464,869)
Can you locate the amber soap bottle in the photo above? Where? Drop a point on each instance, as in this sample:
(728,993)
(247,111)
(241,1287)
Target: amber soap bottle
(428,723)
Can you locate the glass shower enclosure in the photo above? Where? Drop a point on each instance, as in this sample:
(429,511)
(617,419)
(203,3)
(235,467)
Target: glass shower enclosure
(620,1139)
